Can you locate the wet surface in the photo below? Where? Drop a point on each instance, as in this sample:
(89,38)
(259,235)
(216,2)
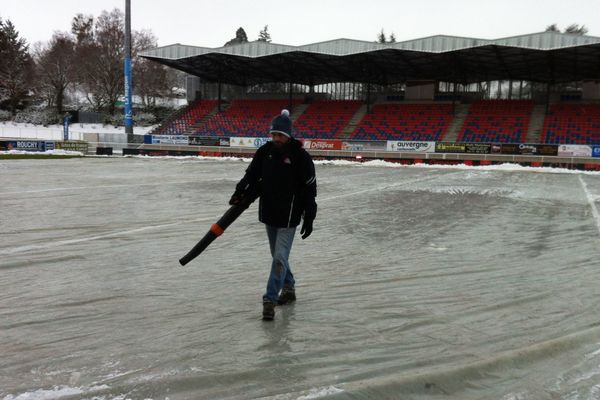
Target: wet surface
(416,282)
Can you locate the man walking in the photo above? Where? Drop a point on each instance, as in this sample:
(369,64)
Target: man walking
(282,173)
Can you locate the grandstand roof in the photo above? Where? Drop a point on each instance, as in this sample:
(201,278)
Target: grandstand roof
(543,57)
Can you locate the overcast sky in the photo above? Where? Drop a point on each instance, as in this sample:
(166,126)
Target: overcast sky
(212,23)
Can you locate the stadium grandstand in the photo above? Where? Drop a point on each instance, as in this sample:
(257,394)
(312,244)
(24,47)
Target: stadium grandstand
(397,121)
(497,121)
(535,88)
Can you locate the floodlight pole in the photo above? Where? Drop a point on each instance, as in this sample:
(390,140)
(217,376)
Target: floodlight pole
(128,109)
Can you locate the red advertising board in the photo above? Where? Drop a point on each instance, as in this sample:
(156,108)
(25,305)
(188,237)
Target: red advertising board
(318,144)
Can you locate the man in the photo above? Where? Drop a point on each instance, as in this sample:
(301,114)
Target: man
(282,173)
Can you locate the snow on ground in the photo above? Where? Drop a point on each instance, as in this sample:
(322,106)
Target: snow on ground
(55,132)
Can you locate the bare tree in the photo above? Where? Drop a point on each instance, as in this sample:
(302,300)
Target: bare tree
(150,79)
(82,27)
(108,67)
(55,68)
(86,53)
(100,52)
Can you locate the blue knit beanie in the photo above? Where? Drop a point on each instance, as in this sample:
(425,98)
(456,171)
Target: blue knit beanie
(282,124)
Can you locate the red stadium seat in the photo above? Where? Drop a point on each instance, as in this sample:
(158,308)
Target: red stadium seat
(325,119)
(497,121)
(572,124)
(421,122)
(244,118)
(187,118)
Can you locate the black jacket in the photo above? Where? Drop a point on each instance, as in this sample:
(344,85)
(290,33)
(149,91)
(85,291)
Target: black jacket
(286,182)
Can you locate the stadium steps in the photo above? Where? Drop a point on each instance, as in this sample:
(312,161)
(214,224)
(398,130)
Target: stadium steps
(195,127)
(461,112)
(354,121)
(536,124)
(172,117)
(298,110)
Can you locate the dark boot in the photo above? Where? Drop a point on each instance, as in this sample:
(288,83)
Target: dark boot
(288,295)
(268,311)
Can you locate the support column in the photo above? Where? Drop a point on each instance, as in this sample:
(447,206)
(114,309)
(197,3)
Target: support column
(368,97)
(547,97)
(521,90)
(219,96)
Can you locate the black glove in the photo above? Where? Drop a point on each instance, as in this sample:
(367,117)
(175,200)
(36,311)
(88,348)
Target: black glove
(236,198)
(306,228)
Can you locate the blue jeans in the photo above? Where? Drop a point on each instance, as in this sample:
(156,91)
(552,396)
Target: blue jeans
(280,243)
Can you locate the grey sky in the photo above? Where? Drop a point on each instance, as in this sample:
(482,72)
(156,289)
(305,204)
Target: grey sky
(212,23)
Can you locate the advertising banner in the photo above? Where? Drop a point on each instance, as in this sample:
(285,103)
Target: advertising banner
(319,144)
(24,145)
(509,148)
(204,141)
(66,122)
(547,150)
(169,139)
(48,146)
(128,106)
(81,147)
(249,142)
(364,146)
(448,147)
(410,146)
(526,149)
(595,151)
(574,150)
(478,148)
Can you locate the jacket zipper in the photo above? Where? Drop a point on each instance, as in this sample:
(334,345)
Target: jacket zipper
(291,209)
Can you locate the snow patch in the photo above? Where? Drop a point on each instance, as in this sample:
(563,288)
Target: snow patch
(50,152)
(55,393)
(317,393)
(506,167)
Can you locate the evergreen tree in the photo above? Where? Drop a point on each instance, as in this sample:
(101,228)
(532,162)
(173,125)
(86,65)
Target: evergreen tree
(16,67)
(575,29)
(381,37)
(240,37)
(264,36)
(392,38)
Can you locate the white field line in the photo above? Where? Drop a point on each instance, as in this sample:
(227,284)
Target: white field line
(384,187)
(59,243)
(591,202)
(95,187)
